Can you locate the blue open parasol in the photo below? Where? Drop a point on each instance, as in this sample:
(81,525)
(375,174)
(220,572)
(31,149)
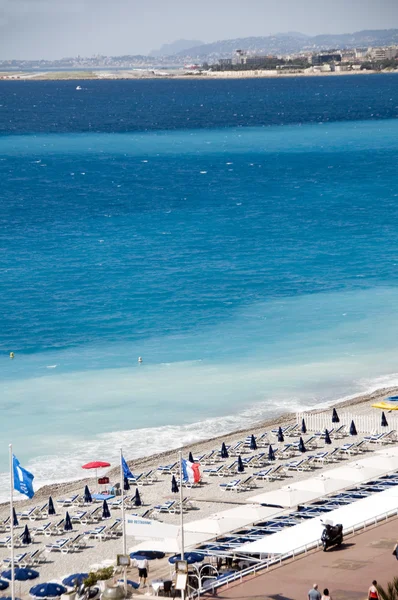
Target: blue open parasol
(21,574)
(47,590)
(190,557)
(87,495)
(303,427)
(137,498)
(68,523)
(241,468)
(281,437)
(327,437)
(106,513)
(253,443)
(26,538)
(353,429)
(335,417)
(271,453)
(301,445)
(51,508)
(174,485)
(148,554)
(75,579)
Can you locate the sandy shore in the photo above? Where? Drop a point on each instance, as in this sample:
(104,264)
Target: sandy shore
(206,499)
(149,74)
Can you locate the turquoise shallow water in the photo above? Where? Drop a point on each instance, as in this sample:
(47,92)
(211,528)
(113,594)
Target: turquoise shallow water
(253,268)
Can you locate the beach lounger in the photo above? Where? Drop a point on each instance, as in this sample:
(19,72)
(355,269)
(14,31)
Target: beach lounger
(18,559)
(340,433)
(291,431)
(149,477)
(239,485)
(56,529)
(260,460)
(5,525)
(68,501)
(237,449)
(262,440)
(168,469)
(298,465)
(110,532)
(214,471)
(32,513)
(288,451)
(171,506)
(249,461)
(27,559)
(87,517)
(348,449)
(210,458)
(263,475)
(59,545)
(278,472)
(41,529)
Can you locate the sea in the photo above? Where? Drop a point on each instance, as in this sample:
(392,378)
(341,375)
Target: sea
(241,236)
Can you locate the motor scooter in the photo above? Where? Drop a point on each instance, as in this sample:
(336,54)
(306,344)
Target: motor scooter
(332,535)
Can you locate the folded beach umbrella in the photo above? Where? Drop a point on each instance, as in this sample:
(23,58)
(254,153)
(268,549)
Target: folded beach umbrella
(47,590)
(301,445)
(14,518)
(241,468)
(327,437)
(126,485)
(224,451)
(21,574)
(303,427)
(353,429)
(75,579)
(106,513)
(253,443)
(68,523)
(383,420)
(26,539)
(174,486)
(271,453)
(3,585)
(190,458)
(51,508)
(280,435)
(137,498)
(87,495)
(335,416)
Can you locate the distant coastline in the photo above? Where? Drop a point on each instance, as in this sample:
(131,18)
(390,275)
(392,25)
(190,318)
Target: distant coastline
(150,74)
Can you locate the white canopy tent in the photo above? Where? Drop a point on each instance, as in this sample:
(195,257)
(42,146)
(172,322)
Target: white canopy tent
(229,520)
(323,485)
(307,534)
(356,473)
(388,462)
(287,497)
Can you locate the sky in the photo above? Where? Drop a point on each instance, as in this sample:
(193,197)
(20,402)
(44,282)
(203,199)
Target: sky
(51,29)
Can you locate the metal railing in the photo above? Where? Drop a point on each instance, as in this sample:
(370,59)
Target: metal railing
(273,560)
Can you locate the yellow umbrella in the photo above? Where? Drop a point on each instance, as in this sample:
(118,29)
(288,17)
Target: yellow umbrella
(390,403)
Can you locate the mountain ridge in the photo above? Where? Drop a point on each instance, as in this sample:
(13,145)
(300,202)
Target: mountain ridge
(294,42)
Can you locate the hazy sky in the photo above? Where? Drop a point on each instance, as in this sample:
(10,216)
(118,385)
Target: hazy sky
(58,28)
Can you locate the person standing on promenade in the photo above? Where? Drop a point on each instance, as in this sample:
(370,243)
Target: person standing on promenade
(314,593)
(326,595)
(373,594)
(143,568)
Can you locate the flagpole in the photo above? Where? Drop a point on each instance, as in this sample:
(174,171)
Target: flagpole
(181,516)
(123,519)
(12,525)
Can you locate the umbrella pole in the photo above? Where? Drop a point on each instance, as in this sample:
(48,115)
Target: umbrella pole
(181,516)
(12,525)
(123,520)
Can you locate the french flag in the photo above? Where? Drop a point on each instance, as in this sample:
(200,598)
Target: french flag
(190,471)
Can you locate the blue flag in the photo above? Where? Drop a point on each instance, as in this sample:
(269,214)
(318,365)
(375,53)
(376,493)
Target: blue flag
(126,470)
(23,480)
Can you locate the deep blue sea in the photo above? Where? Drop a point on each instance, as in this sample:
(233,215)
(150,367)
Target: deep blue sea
(240,236)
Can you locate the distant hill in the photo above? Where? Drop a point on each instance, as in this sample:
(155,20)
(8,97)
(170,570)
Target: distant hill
(293,42)
(177,47)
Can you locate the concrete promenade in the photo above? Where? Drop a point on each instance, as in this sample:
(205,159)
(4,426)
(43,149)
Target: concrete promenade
(347,571)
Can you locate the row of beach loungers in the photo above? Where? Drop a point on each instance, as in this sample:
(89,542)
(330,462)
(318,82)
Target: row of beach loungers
(229,542)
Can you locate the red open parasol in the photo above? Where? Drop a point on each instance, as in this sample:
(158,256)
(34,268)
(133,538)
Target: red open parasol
(97,464)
